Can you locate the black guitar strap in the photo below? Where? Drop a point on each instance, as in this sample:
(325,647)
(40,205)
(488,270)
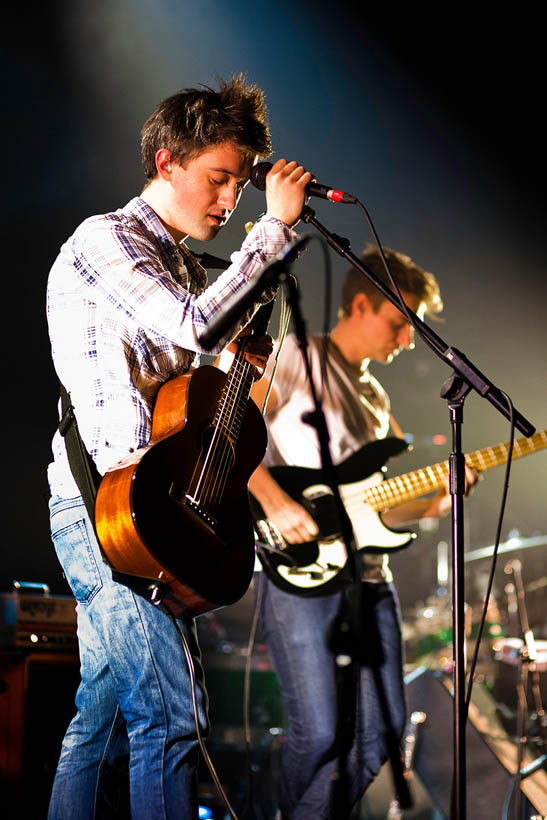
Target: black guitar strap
(88,478)
(82,466)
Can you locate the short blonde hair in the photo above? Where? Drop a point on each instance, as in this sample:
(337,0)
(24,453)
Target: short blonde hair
(409,277)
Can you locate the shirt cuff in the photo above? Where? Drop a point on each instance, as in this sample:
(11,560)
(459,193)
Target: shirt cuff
(267,238)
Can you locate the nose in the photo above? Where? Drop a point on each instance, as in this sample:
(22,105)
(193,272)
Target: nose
(229,195)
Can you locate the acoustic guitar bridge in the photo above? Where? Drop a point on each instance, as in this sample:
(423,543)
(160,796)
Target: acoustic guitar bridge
(205,516)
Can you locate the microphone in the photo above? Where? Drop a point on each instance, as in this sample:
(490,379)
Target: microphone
(258,178)
(238,304)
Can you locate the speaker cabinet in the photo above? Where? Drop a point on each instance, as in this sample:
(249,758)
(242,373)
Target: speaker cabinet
(37,693)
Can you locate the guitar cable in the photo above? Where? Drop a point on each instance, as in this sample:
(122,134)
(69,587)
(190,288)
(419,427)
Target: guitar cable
(283,325)
(201,741)
(247,694)
(284,321)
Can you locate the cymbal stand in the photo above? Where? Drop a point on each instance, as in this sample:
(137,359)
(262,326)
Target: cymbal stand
(527,667)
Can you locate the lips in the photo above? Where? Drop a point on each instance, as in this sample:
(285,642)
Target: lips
(218,219)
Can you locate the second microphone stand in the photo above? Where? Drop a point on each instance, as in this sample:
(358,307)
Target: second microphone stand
(344,637)
(465,377)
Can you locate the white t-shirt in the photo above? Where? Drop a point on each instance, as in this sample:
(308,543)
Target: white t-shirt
(356,409)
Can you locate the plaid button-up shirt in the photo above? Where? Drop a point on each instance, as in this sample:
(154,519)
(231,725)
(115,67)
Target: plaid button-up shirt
(125,304)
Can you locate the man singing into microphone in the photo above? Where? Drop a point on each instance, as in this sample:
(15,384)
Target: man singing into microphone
(297,629)
(126,304)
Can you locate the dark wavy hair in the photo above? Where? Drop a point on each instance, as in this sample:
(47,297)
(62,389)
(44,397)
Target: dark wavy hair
(409,277)
(195,119)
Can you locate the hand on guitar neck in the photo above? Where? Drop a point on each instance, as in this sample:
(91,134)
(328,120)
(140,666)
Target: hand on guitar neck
(297,526)
(257,351)
(437,506)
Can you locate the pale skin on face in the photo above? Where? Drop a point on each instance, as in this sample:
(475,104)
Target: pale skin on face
(198,197)
(378,335)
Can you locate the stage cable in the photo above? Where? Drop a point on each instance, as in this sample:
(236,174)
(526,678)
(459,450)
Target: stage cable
(494,558)
(202,746)
(247,694)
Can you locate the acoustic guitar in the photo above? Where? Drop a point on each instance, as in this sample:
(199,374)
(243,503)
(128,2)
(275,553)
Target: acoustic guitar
(173,518)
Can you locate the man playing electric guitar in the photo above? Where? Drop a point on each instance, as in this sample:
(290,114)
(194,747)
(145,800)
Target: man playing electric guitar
(357,411)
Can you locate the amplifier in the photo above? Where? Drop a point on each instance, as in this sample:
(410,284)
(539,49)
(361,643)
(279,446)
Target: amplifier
(32,621)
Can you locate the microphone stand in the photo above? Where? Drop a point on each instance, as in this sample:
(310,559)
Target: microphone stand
(464,378)
(344,631)
(343,639)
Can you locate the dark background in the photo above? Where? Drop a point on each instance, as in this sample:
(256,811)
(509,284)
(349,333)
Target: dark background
(433,120)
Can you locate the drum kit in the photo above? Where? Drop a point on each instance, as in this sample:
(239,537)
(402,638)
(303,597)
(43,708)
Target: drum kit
(512,656)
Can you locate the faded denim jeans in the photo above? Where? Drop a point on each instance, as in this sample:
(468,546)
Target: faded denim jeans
(298,633)
(134,691)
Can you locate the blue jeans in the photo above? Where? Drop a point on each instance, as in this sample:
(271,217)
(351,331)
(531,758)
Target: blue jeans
(134,693)
(297,632)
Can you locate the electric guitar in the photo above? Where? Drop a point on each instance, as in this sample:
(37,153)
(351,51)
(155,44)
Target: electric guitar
(173,518)
(317,567)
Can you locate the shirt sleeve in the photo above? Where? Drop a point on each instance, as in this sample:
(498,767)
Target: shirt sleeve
(121,266)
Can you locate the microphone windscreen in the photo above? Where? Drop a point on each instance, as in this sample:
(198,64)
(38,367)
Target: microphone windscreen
(259,173)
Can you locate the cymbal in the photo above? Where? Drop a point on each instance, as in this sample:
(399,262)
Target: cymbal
(512,544)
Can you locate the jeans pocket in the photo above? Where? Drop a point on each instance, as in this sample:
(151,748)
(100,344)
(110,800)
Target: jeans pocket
(76,555)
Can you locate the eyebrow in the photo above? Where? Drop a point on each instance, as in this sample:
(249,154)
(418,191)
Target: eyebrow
(228,173)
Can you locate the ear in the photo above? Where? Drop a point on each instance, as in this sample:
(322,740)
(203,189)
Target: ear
(360,305)
(163,163)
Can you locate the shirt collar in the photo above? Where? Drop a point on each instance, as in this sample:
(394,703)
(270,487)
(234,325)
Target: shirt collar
(142,211)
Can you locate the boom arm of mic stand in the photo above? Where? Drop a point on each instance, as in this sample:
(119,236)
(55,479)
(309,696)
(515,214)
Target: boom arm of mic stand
(454,358)
(236,307)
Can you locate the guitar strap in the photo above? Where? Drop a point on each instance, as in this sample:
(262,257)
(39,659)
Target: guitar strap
(82,466)
(88,478)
